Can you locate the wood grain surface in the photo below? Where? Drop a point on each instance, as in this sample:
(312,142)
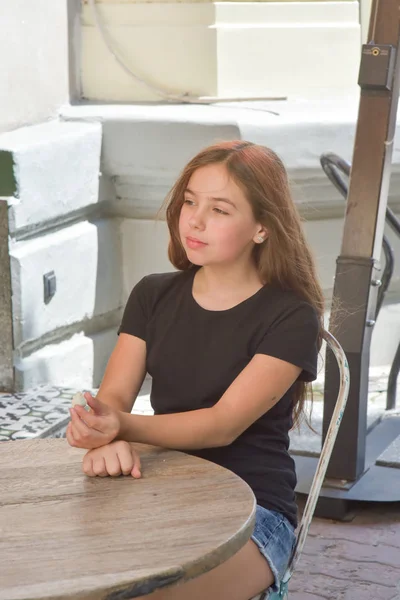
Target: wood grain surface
(65,535)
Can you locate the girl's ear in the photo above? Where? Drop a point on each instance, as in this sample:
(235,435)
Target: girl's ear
(261,235)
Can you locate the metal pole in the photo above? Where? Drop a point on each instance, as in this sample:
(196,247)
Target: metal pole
(357,272)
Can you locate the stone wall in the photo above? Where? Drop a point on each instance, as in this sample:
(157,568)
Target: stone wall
(57,229)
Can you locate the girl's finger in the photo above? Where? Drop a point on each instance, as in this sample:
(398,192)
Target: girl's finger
(84,436)
(137,469)
(113,465)
(87,466)
(89,419)
(99,467)
(82,430)
(88,395)
(136,473)
(69,435)
(97,406)
(126,459)
(94,403)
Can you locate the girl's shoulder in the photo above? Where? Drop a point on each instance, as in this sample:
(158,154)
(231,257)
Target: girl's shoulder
(152,288)
(284,304)
(157,283)
(283,298)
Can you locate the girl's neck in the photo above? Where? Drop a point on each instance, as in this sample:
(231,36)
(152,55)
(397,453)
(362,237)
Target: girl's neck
(220,289)
(214,278)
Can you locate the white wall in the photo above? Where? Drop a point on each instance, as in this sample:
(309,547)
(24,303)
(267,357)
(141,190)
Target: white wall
(34,61)
(223,49)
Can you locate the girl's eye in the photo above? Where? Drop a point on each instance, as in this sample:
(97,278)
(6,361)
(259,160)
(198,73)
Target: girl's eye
(187,201)
(220,212)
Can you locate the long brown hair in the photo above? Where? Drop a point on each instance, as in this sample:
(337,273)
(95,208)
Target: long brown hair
(285,258)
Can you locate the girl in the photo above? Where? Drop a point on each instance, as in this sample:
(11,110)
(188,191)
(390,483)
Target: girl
(231,340)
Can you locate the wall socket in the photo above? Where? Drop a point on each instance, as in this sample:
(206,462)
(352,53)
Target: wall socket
(49,286)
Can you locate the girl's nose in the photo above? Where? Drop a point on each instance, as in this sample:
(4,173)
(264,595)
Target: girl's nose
(196,220)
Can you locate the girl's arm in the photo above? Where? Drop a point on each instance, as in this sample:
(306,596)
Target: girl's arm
(125,372)
(255,391)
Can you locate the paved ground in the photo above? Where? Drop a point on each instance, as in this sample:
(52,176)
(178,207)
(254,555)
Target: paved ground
(358,560)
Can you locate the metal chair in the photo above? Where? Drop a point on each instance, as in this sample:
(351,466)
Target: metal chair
(321,466)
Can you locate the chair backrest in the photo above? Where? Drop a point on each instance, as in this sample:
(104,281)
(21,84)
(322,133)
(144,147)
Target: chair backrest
(326,452)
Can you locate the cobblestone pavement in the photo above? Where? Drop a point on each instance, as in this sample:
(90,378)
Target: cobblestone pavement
(356,560)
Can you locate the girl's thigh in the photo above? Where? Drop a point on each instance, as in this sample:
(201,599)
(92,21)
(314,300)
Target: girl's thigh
(241,577)
(255,569)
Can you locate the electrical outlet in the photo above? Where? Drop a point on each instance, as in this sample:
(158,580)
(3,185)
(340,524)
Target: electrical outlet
(49,286)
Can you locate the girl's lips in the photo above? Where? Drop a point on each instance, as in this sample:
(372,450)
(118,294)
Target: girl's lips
(194,244)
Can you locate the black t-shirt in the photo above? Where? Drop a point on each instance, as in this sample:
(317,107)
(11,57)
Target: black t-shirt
(194,354)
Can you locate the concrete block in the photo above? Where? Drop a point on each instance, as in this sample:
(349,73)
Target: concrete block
(123,155)
(56,168)
(69,364)
(148,241)
(78,362)
(86,261)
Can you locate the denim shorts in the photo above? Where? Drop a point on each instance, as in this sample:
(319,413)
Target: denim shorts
(275,538)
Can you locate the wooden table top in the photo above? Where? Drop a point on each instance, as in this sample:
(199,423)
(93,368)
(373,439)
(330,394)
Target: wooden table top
(64,535)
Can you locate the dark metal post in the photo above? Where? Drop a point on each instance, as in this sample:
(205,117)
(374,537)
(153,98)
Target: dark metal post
(357,278)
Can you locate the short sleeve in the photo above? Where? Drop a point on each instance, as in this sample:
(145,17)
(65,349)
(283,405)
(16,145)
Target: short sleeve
(134,319)
(293,337)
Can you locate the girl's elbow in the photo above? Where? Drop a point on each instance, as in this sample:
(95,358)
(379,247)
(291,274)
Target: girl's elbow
(224,433)
(227,437)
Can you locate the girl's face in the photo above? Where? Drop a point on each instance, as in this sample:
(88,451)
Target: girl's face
(216,223)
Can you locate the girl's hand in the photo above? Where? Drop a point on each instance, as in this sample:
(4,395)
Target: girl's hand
(93,429)
(113,459)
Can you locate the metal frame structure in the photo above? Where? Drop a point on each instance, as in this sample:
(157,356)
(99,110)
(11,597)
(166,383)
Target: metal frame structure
(354,472)
(334,166)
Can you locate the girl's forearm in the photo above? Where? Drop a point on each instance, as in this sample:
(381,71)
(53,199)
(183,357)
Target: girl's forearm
(181,431)
(112,400)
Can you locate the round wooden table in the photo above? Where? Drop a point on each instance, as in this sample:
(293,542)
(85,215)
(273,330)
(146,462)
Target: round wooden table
(65,535)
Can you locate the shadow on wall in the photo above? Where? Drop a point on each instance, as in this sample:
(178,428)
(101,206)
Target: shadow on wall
(107,310)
